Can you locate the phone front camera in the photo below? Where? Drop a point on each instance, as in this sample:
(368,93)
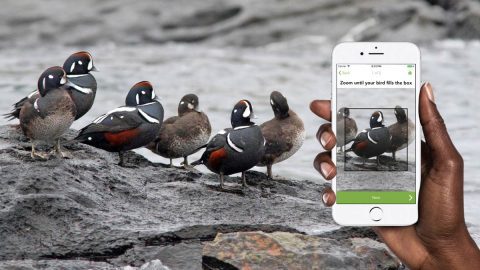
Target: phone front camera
(361,53)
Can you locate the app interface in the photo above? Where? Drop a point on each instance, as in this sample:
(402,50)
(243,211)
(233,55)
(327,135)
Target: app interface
(375,133)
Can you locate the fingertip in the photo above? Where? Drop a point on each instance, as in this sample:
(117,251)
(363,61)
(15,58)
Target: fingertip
(324,165)
(321,108)
(326,137)
(313,104)
(328,197)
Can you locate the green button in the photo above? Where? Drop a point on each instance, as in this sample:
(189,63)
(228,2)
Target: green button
(376,197)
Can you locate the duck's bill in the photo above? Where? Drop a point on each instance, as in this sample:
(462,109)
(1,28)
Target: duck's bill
(94,68)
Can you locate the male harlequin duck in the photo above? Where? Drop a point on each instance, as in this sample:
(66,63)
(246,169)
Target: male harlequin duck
(128,127)
(183,135)
(235,149)
(284,134)
(403,132)
(82,85)
(374,141)
(51,114)
(346,128)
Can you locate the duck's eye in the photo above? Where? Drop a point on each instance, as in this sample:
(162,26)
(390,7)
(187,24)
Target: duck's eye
(80,62)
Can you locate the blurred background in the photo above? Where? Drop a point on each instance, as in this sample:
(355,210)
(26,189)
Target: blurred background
(225,50)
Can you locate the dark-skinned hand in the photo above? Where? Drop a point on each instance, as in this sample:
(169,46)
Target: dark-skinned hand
(440,239)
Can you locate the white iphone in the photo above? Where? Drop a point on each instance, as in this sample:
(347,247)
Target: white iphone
(375,89)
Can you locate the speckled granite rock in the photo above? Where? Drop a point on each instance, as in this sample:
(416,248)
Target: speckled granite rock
(279,250)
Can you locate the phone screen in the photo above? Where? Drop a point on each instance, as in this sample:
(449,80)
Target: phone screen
(376,112)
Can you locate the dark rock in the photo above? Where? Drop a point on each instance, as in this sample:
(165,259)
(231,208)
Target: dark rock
(88,209)
(281,250)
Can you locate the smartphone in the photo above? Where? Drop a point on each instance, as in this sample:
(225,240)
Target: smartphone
(375,90)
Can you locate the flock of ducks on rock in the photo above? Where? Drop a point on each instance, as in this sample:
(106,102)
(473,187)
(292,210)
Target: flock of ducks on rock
(64,94)
(378,139)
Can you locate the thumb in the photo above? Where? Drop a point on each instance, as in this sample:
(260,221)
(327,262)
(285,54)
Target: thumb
(437,138)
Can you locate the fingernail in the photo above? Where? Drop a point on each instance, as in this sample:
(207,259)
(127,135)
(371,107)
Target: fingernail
(325,138)
(326,169)
(429,89)
(325,197)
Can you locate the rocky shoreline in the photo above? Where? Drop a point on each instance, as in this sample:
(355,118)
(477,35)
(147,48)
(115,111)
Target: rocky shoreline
(89,213)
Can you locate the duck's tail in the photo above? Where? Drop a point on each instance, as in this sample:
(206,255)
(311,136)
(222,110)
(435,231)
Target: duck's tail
(14,114)
(196,163)
(199,148)
(17,107)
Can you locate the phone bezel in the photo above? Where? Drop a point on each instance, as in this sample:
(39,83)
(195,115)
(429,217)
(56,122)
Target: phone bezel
(393,53)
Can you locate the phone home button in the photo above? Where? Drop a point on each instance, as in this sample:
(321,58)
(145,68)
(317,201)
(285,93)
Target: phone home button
(376,213)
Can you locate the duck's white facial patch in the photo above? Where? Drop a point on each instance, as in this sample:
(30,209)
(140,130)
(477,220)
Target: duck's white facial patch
(248,111)
(271,102)
(182,102)
(44,83)
(89,138)
(380,118)
(190,106)
(72,67)
(63,80)
(90,65)
(153,94)
(137,99)
(143,93)
(235,111)
(50,76)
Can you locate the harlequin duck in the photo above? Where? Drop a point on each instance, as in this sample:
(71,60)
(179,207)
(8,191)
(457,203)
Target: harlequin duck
(284,134)
(374,141)
(403,132)
(51,114)
(128,127)
(346,128)
(235,149)
(82,85)
(183,135)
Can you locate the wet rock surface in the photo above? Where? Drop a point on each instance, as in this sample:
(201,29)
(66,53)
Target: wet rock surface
(88,213)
